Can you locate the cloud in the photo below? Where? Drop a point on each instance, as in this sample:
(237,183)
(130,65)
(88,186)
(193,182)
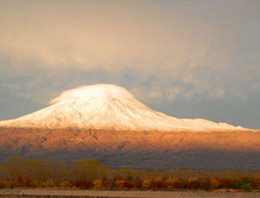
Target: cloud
(152,95)
(112,35)
(173,93)
(210,47)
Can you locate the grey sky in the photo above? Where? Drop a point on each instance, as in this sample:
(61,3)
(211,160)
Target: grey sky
(185,58)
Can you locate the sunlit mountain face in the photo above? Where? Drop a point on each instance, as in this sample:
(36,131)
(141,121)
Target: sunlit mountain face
(107,123)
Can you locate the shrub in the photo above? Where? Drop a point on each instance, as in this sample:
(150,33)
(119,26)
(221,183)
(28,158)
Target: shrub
(119,183)
(35,183)
(237,183)
(48,183)
(169,182)
(27,182)
(83,184)
(137,183)
(246,187)
(147,183)
(225,183)
(19,180)
(128,184)
(9,183)
(157,183)
(106,183)
(179,184)
(214,184)
(193,183)
(129,178)
(254,182)
(1,185)
(65,184)
(205,183)
(98,184)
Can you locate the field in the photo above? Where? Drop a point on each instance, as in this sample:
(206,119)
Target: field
(88,174)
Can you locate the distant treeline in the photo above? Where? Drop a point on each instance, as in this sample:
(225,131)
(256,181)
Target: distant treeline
(91,174)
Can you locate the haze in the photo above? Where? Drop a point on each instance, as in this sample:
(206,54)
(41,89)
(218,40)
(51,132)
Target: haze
(192,59)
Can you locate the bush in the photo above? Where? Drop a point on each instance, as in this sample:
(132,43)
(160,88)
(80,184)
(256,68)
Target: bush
(1,185)
(106,183)
(246,187)
(98,184)
(169,182)
(129,178)
(128,184)
(237,183)
(193,183)
(225,182)
(9,183)
(179,184)
(65,184)
(119,183)
(214,184)
(27,182)
(35,183)
(48,183)
(205,183)
(83,184)
(158,183)
(137,183)
(146,184)
(19,181)
(254,182)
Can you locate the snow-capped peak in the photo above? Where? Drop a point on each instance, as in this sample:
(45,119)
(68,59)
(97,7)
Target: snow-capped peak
(106,106)
(86,93)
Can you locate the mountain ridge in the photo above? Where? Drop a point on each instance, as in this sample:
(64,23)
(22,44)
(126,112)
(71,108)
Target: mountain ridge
(106,106)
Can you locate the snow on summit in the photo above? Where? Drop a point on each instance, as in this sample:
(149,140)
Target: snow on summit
(106,106)
(86,93)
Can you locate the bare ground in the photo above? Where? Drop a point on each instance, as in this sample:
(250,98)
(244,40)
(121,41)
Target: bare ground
(41,193)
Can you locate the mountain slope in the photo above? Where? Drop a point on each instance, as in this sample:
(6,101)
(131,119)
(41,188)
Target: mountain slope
(106,106)
(137,149)
(107,123)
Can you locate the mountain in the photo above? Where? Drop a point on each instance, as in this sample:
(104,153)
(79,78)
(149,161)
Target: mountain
(106,107)
(107,123)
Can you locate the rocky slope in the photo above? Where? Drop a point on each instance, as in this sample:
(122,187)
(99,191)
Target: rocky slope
(107,123)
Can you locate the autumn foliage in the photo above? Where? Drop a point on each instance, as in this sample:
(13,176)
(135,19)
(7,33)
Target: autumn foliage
(90,174)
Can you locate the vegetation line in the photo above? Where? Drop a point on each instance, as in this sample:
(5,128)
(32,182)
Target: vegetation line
(18,172)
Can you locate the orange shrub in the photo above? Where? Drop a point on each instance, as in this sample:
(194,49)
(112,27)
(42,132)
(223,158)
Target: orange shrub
(2,184)
(193,183)
(169,182)
(65,184)
(137,183)
(48,183)
(225,182)
(8,183)
(98,184)
(214,184)
(205,183)
(106,183)
(83,184)
(119,183)
(179,184)
(19,181)
(146,184)
(128,184)
(158,184)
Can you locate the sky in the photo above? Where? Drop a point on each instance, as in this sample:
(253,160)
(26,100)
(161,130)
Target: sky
(188,59)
